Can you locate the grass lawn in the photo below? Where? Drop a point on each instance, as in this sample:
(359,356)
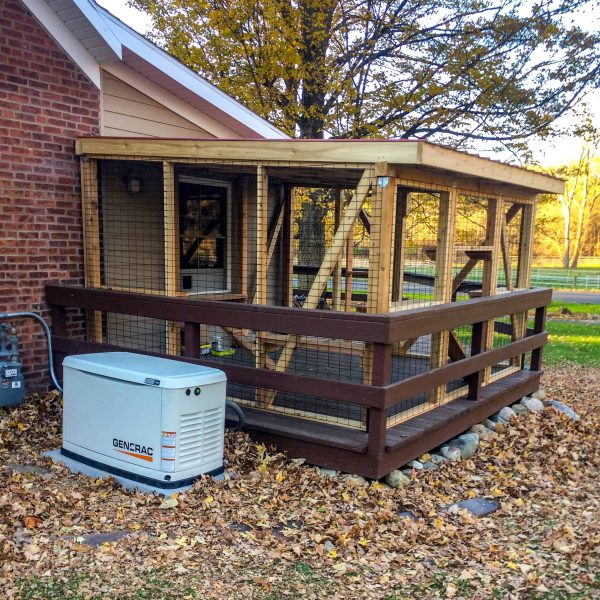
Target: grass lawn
(572,342)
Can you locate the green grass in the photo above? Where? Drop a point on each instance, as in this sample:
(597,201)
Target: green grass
(575,343)
(576,309)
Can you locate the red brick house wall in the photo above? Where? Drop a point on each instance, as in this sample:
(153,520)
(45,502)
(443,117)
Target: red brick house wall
(45,103)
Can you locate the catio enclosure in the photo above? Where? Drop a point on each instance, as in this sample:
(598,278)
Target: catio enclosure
(367,299)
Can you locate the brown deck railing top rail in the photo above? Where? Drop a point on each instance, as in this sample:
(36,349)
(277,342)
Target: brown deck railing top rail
(377,328)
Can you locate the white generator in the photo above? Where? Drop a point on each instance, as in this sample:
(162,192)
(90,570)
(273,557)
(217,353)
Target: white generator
(152,420)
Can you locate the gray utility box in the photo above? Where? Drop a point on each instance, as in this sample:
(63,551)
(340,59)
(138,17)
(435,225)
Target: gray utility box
(12,384)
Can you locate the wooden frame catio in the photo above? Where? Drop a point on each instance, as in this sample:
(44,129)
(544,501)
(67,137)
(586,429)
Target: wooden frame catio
(428,314)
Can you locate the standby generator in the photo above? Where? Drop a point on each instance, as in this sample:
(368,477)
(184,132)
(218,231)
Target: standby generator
(151,420)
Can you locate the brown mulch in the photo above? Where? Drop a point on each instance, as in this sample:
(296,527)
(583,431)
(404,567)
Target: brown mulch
(279,529)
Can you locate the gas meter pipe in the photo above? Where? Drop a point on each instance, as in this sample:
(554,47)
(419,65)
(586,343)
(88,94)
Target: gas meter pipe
(31,315)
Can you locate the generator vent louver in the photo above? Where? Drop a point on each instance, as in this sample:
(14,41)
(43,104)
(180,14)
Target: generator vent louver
(201,436)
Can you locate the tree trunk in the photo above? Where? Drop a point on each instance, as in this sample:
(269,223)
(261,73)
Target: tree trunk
(316,34)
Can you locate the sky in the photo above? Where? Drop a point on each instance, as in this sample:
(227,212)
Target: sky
(560,150)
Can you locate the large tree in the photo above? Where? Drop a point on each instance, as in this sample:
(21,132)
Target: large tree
(455,71)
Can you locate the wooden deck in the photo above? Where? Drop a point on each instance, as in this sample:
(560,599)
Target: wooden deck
(378,448)
(404,442)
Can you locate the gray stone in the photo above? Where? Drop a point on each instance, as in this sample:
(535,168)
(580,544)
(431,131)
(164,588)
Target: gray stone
(355,480)
(471,437)
(328,546)
(539,395)
(520,409)
(407,473)
(451,452)
(436,459)
(479,507)
(407,514)
(328,472)
(397,479)
(532,404)
(467,444)
(97,539)
(565,409)
(430,466)
(507,413)
(416,465)
(489,424)
(482,432)
(34,469)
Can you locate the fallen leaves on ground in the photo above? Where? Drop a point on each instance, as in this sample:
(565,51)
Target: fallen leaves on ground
(277,528)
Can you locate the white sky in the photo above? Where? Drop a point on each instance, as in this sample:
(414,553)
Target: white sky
(549,153)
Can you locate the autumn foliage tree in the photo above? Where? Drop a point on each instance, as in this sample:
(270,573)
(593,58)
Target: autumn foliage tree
(569,224)
(455,71)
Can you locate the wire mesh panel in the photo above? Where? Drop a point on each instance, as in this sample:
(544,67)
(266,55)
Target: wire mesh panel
(344,237)
(418,237)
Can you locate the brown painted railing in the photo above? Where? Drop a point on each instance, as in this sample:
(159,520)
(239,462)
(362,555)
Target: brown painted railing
(380,330)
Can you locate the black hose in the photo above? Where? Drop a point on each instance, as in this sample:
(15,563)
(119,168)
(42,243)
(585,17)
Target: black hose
(31,315)
(240,415)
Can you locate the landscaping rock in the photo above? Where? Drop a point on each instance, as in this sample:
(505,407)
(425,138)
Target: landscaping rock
(451,452)
(467,444)
(479,507)
(407,514)
(328,546)
(532,404)
(565,409)
(328,473)
(539,395)
(397,479)
(416,465)
(520,409)
(436,459)
(425,457)
(501,426)
(407,473)
(481,431)
(489,424)
(507,413)
(34,469)
(97,539)
(355,480)
(430,466)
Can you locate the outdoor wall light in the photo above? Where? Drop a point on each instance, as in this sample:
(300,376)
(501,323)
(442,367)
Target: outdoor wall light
(134,183)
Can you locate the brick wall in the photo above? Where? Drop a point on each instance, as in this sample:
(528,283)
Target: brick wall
(45,103)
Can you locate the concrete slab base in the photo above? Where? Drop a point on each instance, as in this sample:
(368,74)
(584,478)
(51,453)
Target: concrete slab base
(83,469)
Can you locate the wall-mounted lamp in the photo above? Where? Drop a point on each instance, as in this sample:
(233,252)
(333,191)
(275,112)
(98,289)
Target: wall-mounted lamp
(134,183)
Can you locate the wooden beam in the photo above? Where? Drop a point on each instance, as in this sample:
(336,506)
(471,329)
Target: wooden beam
(525,259)
(442,289)
(262,218)
(287,249)
(349,277)
(171,250)
(262,264)
(91,240)
(329,152)
(336,298)
(244,207)
(380,255)
(489,277)
(399,235)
